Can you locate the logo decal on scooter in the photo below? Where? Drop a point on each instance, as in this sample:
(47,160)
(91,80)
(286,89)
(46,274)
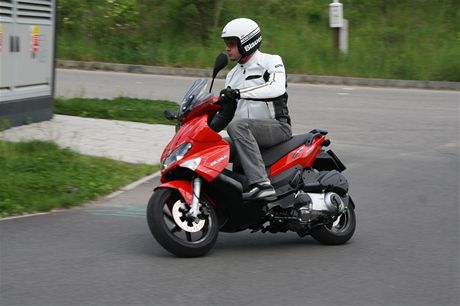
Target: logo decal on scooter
(298,151)
(218,160)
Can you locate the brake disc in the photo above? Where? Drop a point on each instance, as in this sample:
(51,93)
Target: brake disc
(179,211)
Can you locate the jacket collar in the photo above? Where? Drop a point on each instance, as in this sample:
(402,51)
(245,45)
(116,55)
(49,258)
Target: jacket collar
(254,59)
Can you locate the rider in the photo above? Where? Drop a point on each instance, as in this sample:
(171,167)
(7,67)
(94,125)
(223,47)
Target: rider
(258,78)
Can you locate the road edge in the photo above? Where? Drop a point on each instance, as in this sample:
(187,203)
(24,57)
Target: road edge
(133,185)
(294,78)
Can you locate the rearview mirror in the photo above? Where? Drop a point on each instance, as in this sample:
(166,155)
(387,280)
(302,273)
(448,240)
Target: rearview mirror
(220,63)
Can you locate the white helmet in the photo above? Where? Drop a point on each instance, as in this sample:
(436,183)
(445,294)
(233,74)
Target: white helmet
(246,32)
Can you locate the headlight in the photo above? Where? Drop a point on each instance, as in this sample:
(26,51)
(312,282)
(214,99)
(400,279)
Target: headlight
(191,164)
(176,155)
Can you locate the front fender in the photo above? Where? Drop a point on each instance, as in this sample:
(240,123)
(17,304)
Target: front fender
(184,187)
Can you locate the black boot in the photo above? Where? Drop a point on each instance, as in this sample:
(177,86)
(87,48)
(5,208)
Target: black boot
(260,191)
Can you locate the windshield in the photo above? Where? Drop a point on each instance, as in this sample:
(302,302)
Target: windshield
(194,97)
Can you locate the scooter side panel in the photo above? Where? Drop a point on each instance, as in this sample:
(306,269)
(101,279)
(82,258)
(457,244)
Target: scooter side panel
(213,161)
(304,156)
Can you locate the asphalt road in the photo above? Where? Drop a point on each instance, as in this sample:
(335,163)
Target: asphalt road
(402,152)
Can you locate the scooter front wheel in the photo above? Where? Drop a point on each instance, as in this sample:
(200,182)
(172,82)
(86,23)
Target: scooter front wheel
(175,231)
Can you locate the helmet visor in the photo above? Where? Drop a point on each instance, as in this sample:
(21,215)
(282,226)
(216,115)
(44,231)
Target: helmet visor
(231,42)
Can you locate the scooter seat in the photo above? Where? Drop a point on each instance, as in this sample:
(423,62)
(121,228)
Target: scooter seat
(273,154)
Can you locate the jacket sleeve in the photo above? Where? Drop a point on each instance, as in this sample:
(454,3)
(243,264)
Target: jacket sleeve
(274,87)
(223,117)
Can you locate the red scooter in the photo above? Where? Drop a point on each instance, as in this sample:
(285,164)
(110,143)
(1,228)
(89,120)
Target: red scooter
(201,192)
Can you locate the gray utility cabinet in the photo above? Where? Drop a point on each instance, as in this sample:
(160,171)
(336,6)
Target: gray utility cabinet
(27,53)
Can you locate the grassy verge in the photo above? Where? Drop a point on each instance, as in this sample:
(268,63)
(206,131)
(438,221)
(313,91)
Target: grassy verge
(398,39)
(39,176)
(122,108)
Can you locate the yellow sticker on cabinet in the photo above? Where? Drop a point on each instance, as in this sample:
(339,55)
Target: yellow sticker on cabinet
(35,31)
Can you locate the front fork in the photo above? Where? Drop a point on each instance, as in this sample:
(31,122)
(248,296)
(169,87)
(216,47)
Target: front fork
(195,208)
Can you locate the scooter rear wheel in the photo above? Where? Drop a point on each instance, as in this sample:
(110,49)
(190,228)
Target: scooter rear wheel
(339,232)
(178,234)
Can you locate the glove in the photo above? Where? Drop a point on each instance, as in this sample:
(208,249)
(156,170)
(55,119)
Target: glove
(229,95)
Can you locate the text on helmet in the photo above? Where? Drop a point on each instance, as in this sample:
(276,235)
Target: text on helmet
(253,44)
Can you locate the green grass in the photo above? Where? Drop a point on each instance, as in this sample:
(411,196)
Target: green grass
(122,108)
(39,176)
(398,39)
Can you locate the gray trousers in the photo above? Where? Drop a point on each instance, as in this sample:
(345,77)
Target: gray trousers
(248,135)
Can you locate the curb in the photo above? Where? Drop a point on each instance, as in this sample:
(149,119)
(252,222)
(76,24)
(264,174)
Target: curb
(294,78)
(133,185)
(26,216)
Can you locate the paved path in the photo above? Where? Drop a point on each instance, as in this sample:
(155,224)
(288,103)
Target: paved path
(402,152)
(127,141)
